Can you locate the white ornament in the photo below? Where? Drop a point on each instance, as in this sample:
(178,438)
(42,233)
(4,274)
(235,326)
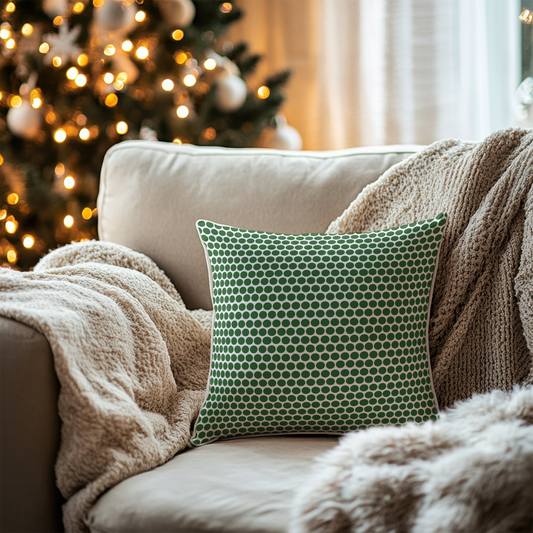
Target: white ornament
(55,8)
(115,17)
(63,44)
(148,134)
(113,21)
(230,93)
(284,137)
(24,121)
(177,13)
(224,62)
(122,63)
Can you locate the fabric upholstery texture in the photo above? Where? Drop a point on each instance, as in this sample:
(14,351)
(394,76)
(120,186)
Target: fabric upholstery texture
(131,361)
(481,328)
(152,194)
(318,333)
(29,431)
(238,486)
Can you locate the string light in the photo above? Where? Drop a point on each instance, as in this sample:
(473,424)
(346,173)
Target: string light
(4,33)
(111,100)
(11,225)
(177,35)
(210,64)
(127,46)
(209,133)
(189,80)
(142,52)
(59,169)
(68,221)
(60,135)
(122,76)
(58,21)
(140,16)
(10,7)
(87,213)
(226,7)
(109,50)
(36,103)
(16,101)
(28,241)
(109,78)
(263,92)
(56,61)
(13,198)
(177,140)
(10,44)
(78,7)
(12,256)
(118,85)
(84,134)
(98,3)
(122,128)
(181,58)
(83,60)
(167,85)
(27,30)
(44,48)
(69,182)
(50,117)
(526,16)
(182,111)
(3,214)
(80,80)
(1,160)
(72,72)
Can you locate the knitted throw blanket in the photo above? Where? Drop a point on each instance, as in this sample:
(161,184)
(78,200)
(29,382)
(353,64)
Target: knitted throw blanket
(472,470)
(131,360)
(481,328)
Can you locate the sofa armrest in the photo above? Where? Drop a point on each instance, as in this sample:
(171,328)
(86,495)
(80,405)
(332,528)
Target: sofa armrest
(29,432)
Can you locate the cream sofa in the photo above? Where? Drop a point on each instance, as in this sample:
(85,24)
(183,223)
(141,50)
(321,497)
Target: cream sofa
(150,197)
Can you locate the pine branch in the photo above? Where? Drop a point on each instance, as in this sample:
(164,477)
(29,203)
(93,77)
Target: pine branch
(248,65)
(276,81)
(240,49)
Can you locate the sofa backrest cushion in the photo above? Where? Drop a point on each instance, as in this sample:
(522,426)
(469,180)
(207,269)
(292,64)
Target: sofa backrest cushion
(152,194)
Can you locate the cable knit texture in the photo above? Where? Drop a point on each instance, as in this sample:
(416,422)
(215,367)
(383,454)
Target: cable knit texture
(472,470)
(481,328)
(131,360)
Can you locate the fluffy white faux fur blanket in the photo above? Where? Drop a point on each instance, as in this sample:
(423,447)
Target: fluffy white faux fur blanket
(469,472)
(131,360)
(472,471)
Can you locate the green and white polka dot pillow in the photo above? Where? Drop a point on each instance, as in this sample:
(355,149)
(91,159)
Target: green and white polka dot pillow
(318,333)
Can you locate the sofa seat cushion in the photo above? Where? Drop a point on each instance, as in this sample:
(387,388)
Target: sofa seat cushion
(234,486)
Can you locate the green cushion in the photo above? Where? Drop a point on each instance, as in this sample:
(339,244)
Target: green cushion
(318,333)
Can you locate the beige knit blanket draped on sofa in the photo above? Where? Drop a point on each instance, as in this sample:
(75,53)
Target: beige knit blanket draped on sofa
(481,329)
(131,360)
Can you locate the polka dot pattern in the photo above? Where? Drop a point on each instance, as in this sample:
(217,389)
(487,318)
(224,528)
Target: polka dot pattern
(318,333)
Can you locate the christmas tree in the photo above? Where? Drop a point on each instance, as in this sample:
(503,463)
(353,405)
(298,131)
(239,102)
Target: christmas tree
(79,76)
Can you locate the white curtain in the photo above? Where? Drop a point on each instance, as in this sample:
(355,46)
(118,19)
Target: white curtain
(371,72)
